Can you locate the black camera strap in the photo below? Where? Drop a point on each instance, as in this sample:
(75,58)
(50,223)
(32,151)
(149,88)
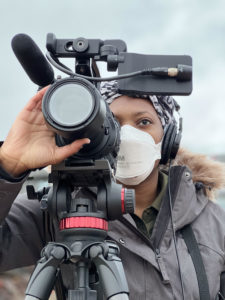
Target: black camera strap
(195,254)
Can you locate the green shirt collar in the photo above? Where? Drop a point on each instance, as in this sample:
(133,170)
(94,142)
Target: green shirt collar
(162,184)
(146,223)
(150,212)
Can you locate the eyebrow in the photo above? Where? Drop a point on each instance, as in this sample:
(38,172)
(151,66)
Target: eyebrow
(141,113)
(137,114)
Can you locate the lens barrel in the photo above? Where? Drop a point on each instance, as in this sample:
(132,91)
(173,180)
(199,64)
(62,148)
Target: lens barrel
(73,108)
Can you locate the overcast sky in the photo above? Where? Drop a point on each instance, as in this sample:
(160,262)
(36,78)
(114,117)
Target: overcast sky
(195,28)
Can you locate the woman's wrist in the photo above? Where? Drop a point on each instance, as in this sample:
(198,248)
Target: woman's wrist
(11,166)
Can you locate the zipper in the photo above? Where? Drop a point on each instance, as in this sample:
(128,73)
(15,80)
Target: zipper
(159,259)
(137,231)
(161,265)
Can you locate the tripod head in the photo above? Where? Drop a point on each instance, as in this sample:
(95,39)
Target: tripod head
(111,199)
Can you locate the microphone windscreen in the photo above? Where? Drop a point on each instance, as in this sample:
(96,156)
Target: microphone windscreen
(32,60)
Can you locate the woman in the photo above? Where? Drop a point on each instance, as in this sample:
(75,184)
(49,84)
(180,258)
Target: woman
(154,254)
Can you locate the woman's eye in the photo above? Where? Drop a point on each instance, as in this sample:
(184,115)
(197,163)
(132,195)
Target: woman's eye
(144,122)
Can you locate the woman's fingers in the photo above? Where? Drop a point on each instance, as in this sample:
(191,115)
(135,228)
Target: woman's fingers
(62,153)
(35,101)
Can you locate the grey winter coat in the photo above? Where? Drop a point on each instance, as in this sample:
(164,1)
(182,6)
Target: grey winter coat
(150,265)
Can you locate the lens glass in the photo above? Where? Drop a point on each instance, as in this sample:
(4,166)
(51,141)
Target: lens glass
(71,104)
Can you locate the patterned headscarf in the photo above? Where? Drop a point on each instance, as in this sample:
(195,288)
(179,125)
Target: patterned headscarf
(164,105)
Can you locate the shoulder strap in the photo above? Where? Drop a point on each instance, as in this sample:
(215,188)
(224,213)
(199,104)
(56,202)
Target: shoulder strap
(195,254)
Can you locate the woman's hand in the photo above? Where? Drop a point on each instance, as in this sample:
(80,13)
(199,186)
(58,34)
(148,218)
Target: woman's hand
(31,144)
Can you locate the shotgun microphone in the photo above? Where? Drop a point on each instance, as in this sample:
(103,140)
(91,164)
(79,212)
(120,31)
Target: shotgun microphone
(32,60)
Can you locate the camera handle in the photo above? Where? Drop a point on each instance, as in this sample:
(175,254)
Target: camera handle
(105,257)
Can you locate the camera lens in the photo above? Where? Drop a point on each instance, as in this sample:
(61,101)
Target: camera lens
(73,108)
(71,105)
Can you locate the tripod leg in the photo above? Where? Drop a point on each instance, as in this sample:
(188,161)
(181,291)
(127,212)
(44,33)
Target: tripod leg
(110,269)
(44,275)
(83,292)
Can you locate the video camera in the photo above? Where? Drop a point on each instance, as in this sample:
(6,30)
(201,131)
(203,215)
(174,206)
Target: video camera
(73,106)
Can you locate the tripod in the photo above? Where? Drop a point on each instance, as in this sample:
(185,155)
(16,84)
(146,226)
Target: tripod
(80,240)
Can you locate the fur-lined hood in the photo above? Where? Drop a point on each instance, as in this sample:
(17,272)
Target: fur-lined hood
(204,169)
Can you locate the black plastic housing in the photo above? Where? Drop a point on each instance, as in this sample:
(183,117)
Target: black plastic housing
(153,85)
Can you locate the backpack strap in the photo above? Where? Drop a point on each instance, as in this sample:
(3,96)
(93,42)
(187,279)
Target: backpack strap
(221,294)
(195,254)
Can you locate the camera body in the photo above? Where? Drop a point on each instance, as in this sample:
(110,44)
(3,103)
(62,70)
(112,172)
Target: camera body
(73,107)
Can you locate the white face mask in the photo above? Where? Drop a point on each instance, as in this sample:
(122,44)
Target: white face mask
(137,155)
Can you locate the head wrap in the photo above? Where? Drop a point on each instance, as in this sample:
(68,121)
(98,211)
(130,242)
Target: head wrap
(164,105)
